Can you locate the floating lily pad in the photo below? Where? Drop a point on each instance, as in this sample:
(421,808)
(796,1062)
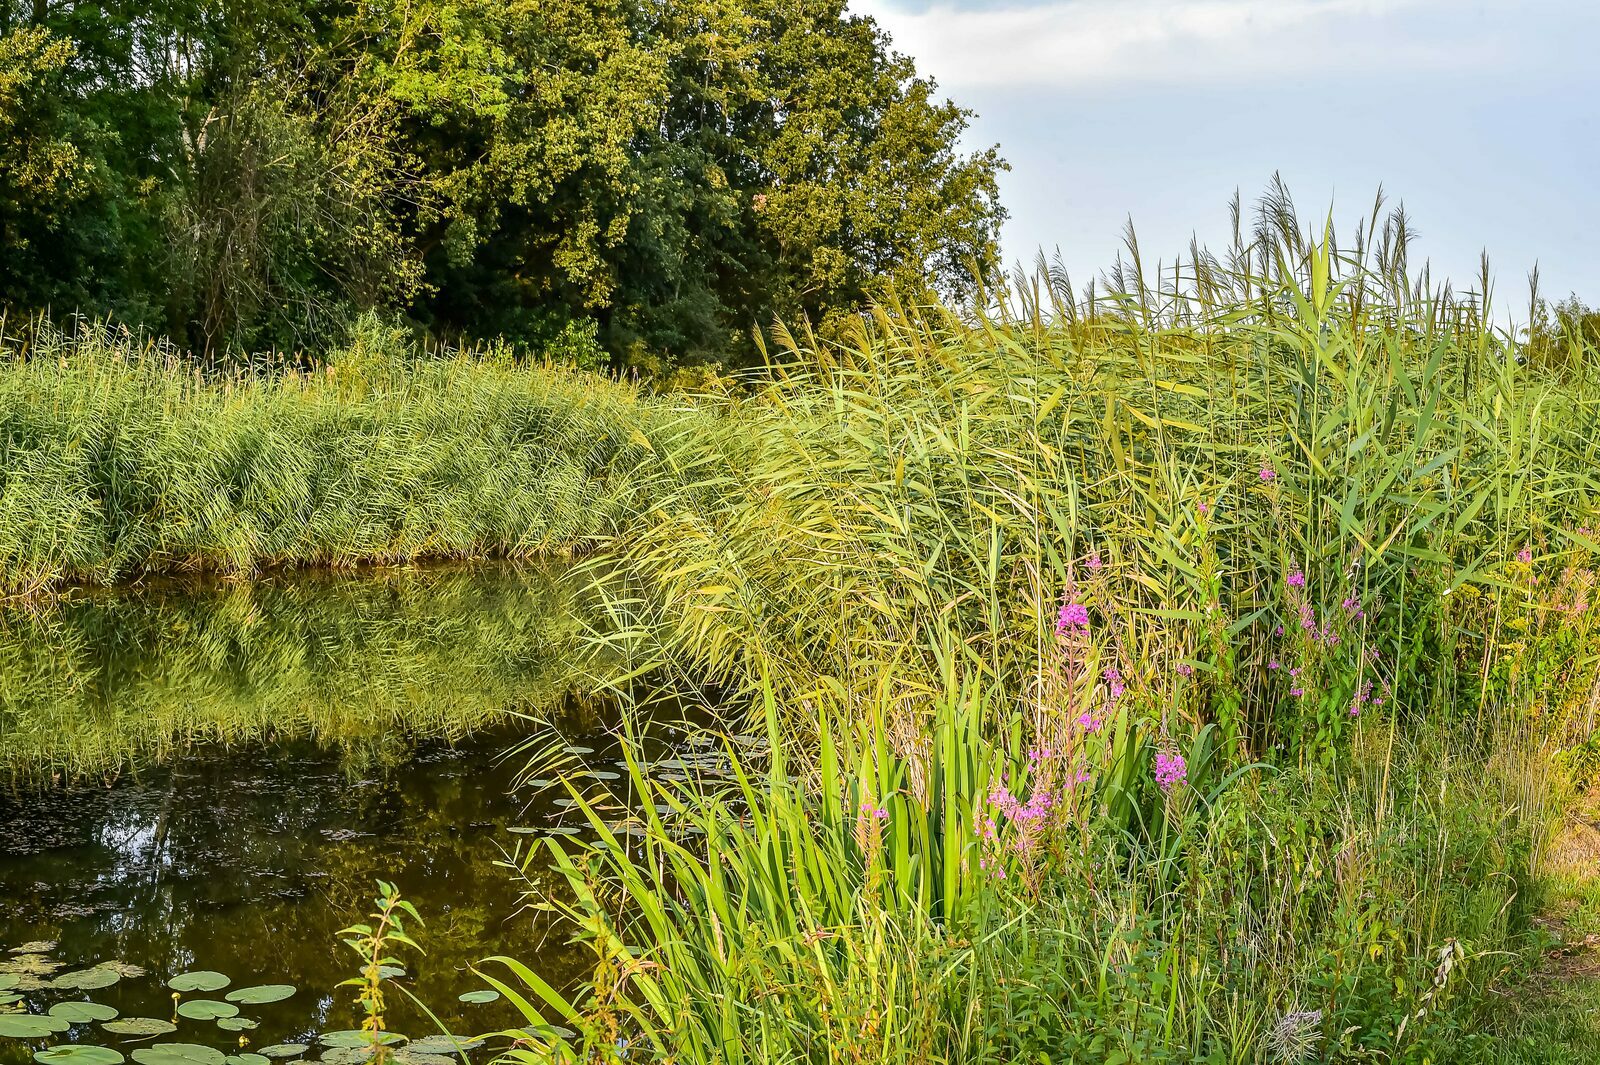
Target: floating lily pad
(123,969)
(236,1024)
(408,1056)
(247,1059)
(9,999)
(444,1044)
(253,996)
(78,1054)
(579,749)
(30,965)
(345,1055)
(38,946)
(203,980)
(8,981)
(479,997)
(206,1009)
(178,1054)
(31,1025)
(357,1038)
(283,1050)
(139,1026)
(82,1012)
(86,979)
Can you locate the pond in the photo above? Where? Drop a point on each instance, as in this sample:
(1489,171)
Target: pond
(211,777)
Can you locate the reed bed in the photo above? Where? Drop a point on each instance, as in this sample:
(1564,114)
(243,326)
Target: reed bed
(119,458)
(1186,674)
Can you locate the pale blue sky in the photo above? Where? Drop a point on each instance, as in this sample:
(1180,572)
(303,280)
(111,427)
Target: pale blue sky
(1483,117)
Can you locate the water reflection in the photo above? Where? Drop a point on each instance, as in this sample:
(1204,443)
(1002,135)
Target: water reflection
(212,776)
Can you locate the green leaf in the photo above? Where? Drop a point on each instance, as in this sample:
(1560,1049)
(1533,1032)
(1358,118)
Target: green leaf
(478,997)
(78,1054)
(139,1026)
(206,1009)
(261,993)
(82,1012)
(87,979)
(203,980)
(31,1026)
(284,1050)
(178,1054)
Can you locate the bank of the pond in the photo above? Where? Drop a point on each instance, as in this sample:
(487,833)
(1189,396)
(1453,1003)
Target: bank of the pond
(118,459)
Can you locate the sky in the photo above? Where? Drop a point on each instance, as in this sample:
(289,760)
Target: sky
(1483,118)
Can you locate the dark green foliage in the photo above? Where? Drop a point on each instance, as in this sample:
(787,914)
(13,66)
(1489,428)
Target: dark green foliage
(664,178)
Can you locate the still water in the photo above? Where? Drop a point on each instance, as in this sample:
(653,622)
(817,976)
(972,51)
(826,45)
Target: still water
(210,777)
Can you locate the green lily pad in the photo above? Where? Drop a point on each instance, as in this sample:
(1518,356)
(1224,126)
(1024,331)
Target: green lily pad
(38,946)
(407,1056)
(31,1025)
(78,1054)
(247,1059)
(178,1054)
(444,1044)
(345,1055)
(283,1050)
(139,1026)
(479,997)
(206,1009)
(82,1012)
(253,996)
(8,999)
(30,965)
(236,1024)
(8,981)
(357,1038)
(203,980)
(92,979)
(126,970)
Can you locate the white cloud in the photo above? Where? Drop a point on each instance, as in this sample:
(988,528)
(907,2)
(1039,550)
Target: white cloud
(1114,43)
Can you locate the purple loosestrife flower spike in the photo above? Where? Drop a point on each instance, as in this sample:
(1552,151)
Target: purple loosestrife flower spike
(1268,473)
(1171,770)
(1072,616)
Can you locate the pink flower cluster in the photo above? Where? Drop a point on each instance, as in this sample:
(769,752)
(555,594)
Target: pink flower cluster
(1268,473)
(1171,770)
(1073,617)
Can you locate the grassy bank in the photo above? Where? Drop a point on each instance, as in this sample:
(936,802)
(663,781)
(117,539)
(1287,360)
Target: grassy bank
(1195,675)
(118,458)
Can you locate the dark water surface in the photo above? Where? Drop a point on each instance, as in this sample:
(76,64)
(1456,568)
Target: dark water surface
(211,778)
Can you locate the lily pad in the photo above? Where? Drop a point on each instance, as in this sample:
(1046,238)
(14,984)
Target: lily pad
(126,970)
(38,946)
(444,1044)
(206,1009)
(8,999)
(479,997)
(408,1056)
(202,980)
(31,1025)
(178,1054)
(82,1012)
(283,1050)
(253,996)
(357,1038)
(78,1054)
(8,981)
(30,965)
(139,1026)
(247,1059)
(92,979)
(236,1024)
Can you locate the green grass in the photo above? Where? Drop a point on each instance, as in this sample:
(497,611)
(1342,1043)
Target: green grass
(117,459)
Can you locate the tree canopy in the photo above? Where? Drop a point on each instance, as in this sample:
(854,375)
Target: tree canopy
(658,177)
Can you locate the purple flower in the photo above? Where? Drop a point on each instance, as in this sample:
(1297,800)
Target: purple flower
(1525,556)
(1297,579)
(1297,692)
(1114,685)
(1274,664)
(1089,723)
(1093,561)
(1268,473)
(1204,509)
(1072,616)
(1185,669)
(1171,770)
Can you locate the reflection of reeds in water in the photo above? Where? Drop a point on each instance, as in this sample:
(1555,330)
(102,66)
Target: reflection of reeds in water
(94,682)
